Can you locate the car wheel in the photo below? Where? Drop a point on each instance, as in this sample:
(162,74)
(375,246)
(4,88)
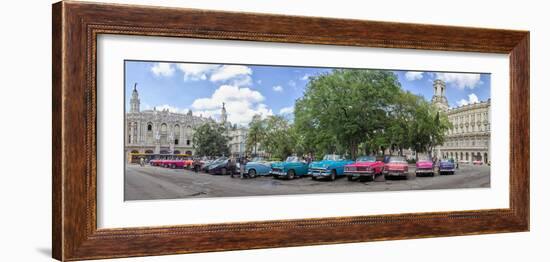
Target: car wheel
(373,177)
(350,178)
(224,171)
(290,174)
(333,175)
(252,173)
(313,178)
(174,166)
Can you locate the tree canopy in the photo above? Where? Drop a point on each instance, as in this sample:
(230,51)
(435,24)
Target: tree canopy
(209,140)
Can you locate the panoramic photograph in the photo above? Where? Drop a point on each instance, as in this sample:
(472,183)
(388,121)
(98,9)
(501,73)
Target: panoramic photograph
(202,130)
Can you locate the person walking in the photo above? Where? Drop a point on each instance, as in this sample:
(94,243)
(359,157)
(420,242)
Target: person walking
(141,161)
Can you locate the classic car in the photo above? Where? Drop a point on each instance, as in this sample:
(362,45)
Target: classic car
(447,166)
(424,166)
(223,167)
(258,166)
(174,163)
(364,166)
(477,162)
(330,167)
(154,162)
(292,167)
(396,167)
(211,163)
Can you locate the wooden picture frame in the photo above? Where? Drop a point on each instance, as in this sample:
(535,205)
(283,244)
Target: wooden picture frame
(76,26)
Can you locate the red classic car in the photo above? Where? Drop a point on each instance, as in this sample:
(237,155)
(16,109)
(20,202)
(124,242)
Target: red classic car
(396,167)
(424,166)
(365,166)
(155,162)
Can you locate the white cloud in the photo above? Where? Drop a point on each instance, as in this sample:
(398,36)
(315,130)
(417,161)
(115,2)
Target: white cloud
(227,72)
(259,81)
(278,88)
(472,99)
(411,76)
(461,80)
(163,69)
(194,72)
(241,103)
(292,83)
(286,110)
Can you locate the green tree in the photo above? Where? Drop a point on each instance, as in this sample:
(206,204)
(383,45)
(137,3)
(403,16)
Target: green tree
(279,139)
(347,107)
(256,134)
(209,139)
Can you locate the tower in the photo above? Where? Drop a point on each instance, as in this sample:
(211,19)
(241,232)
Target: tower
(134,101)
(439,99)
(224,114)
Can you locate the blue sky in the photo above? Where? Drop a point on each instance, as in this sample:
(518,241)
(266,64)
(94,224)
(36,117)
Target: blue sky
(252,89)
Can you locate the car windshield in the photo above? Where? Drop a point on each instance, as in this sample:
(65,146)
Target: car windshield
(257,159)
(221,159)
(331,157)
(397,159)
(292,159)
(424,158)
(366,159)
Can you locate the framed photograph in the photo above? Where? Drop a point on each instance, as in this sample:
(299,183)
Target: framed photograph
(181,130)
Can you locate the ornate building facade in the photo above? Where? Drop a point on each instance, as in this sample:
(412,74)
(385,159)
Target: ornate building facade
(159,131)
(469,138)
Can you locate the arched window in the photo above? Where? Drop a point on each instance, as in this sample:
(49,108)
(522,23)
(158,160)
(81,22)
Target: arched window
(135,152)
(188,152)
(149,127)
(177,134)
(177,152)
(163,133)
(148,151)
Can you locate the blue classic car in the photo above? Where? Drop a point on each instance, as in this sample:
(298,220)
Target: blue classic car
(447,166)
(257,167)
(292,167)
(331,166)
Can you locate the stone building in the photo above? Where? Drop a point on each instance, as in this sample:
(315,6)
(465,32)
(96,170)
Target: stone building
(469,138)
(159,131)
(164,132)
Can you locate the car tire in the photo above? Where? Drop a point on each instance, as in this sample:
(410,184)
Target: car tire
(252,173)
(173,166)
(373,177)
(313,178)
(290,174)
(333,175)
(350,178)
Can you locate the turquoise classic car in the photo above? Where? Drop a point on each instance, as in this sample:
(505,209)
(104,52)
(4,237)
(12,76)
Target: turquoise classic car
(330,167)
(291,168)
(258,167)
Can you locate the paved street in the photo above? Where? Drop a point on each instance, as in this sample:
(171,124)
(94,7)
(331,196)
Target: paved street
(143,183)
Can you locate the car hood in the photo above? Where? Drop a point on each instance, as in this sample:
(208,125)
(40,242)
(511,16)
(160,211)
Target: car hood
(396,165)
(325,163)
(362,164)
(424,164)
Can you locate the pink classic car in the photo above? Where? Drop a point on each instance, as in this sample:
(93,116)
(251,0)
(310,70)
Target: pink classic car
(424,166)
(365,166)
(396,166)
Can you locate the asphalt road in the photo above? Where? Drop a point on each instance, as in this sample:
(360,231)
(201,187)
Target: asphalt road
(146,183)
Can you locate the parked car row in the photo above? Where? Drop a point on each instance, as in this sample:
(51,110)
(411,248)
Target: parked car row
(330,167)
